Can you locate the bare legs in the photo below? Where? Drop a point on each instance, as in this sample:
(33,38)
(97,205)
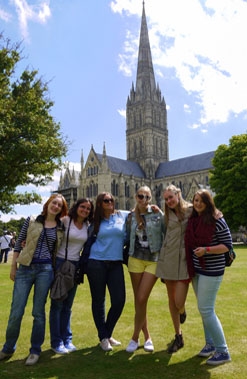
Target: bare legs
(142,284)
(177,293)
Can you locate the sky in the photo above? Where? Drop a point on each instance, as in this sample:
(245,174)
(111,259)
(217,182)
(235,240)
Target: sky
(87,51)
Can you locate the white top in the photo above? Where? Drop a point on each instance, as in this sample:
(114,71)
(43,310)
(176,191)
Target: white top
(4,241)
(76,241)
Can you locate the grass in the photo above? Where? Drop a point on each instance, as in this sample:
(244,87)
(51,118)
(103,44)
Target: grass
(90,362)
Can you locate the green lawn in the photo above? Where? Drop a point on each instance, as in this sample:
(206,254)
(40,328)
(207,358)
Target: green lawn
(91,362)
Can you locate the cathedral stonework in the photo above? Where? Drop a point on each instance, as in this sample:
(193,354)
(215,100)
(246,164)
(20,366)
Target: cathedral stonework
(147,149)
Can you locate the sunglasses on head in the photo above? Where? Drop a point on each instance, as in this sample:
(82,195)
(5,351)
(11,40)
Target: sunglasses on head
(141,197)
(107,201)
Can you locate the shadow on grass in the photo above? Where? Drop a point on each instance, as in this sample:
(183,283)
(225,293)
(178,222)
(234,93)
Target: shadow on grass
(92,363)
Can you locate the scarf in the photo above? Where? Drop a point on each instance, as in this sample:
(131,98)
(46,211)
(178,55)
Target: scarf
(197,234)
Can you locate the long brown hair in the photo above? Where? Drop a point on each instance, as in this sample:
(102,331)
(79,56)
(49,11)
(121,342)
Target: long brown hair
(64,210)
(211,213)
(99,211)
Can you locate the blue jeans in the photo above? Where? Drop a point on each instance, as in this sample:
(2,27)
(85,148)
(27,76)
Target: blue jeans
(206,289)
(4,253)
(102,274)
(40,276)
(60,315)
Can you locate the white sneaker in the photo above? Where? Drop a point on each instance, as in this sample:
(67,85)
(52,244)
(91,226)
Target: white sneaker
(105,344)
(114,342)
(132,346)
(32,359)
(148,346)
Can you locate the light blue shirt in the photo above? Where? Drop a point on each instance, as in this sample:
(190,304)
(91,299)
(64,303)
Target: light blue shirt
(110,238)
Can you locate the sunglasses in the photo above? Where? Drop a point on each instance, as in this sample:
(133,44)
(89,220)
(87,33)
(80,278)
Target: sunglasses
(107,201)
(141,197)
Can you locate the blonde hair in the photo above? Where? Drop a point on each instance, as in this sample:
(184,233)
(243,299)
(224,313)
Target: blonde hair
(182,204)
(139,219)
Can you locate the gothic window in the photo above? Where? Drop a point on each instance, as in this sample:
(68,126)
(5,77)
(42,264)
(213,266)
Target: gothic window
(113,186)
(135,149)
(126,190)
(90,190)
(88,171)
(66,182)
(140,146)
(95,191)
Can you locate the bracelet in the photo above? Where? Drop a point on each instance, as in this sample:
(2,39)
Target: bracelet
(208,249)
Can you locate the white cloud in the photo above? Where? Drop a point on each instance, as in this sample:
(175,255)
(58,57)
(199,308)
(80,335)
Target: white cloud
(122,112)
(187,108)
(203,42)
(26,12)
(5,16)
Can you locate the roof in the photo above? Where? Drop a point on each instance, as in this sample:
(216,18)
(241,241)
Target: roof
(121,166)
(185,165)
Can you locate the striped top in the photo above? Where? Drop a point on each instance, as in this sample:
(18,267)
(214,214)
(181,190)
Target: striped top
(215,263)
(43,250)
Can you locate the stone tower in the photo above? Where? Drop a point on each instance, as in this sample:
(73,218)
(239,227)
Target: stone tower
(146,129)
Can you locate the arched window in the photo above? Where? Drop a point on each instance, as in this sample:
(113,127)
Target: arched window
(126,190)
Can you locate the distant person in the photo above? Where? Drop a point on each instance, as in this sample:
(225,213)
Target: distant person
(207,238)
(76,234)
(42,237)
(145,230)
(5,243)
(105,268)
(172,264)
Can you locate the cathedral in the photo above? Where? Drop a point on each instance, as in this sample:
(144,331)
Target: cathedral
(147,149)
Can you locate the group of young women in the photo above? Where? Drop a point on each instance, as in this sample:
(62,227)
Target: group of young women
(186,244)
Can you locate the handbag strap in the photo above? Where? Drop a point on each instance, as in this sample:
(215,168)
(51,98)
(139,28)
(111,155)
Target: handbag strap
(6,239)
(67,240)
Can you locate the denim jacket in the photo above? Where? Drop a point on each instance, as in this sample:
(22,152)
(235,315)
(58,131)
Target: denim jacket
(155,228)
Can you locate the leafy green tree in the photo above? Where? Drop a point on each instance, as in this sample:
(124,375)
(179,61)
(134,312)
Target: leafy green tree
(32,145)
(12,225)
(229,180)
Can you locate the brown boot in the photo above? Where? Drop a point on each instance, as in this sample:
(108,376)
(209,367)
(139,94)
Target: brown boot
(177,344)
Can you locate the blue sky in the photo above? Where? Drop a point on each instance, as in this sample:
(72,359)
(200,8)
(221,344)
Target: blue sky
(87,50)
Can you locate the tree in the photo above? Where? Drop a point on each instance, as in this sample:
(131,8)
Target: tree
(12,226)
(229,180)
(32,145)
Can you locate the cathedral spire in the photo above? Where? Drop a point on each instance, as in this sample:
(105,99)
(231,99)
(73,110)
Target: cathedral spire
(145,80)
(146,116)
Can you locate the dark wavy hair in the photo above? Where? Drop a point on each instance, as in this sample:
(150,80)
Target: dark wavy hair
(99,210)
(210,212)
(75,206)
(64,210)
